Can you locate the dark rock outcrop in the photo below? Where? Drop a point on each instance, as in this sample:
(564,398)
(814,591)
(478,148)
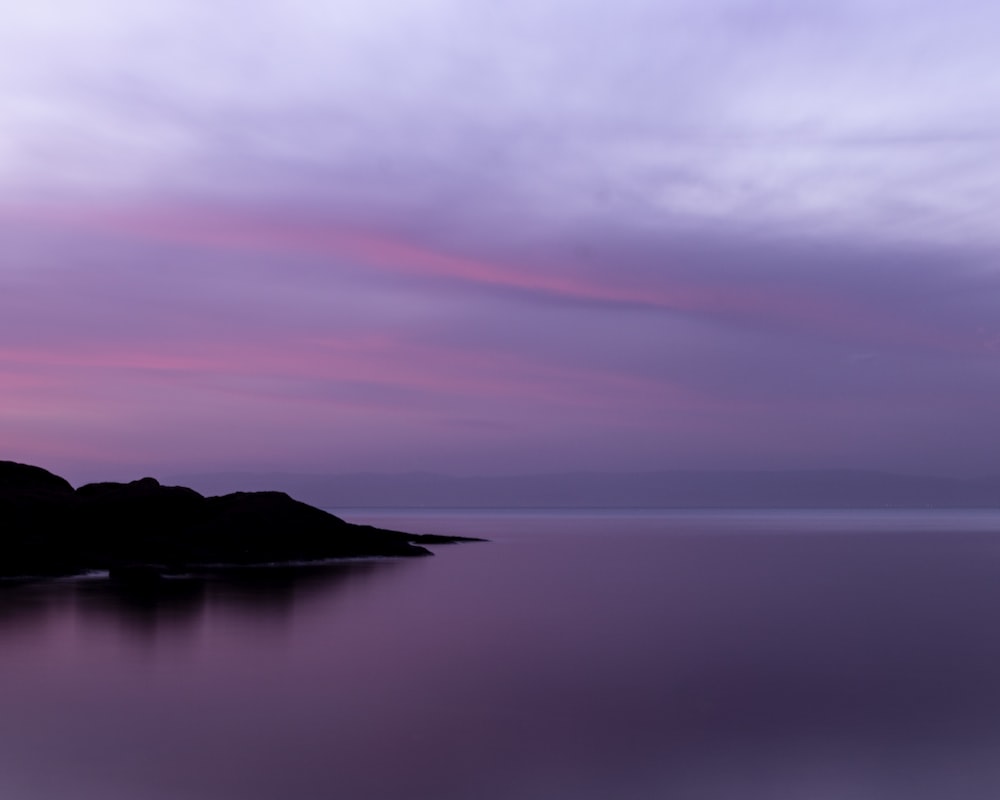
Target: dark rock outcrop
(25,479)
(47,528)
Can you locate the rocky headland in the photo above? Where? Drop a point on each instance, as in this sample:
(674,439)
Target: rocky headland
(142,528)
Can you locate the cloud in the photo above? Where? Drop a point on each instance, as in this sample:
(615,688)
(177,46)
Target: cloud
(722,111)
(901,297)
(666,230)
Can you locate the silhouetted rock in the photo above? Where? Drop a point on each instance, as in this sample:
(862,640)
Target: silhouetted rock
(140,529)
(25,479)
(37,516)
(262,527)
(138,576)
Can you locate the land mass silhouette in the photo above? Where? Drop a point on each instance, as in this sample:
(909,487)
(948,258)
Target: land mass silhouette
(679,488)
(143,529)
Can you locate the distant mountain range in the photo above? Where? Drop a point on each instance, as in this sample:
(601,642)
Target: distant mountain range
(667,489)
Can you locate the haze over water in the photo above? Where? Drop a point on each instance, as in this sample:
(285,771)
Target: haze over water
(761,655)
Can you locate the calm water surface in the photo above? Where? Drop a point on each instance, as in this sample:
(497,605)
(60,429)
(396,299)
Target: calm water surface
(779,656)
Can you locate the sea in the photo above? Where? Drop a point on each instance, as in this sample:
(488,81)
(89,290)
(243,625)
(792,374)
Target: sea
(577,655)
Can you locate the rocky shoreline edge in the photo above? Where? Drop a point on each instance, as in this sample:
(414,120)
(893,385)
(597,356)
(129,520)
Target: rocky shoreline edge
(141,530)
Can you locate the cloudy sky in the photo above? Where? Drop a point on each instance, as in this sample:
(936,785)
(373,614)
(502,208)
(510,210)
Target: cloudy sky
(477,237)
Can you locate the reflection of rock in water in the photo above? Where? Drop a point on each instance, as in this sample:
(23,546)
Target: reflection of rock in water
(278,589)
(146,607)
(25,604)
(177,603)
(249,592)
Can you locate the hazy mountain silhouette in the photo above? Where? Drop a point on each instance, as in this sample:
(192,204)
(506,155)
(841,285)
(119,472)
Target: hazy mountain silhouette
(666,489)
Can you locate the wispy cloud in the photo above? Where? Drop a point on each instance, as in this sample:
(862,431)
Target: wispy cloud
(652,235)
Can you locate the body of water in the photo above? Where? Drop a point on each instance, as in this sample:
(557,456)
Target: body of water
(754,656)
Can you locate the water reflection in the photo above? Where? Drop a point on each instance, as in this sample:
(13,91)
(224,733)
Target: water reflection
(177,603)
(635,664)
(26,605)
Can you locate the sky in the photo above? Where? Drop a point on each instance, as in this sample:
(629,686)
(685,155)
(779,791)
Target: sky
(482,237)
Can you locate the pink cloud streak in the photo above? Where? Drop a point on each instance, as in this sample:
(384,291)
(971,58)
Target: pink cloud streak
(827,314)
(382,360)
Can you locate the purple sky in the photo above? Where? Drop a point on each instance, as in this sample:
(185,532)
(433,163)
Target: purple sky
(481,237)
